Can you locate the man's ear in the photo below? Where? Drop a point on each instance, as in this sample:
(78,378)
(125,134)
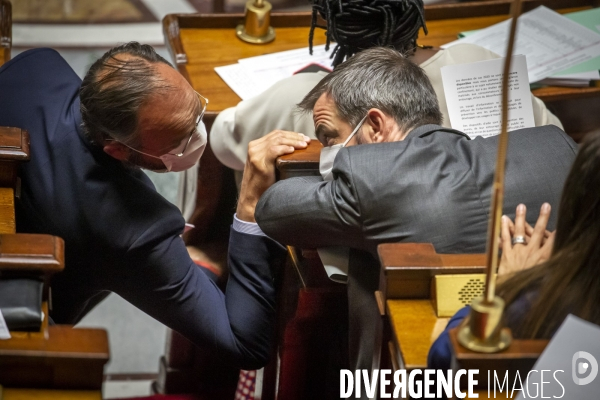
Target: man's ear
(377,121)
(116,150)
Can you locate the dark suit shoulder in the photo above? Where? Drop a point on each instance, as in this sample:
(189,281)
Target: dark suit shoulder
(42,59)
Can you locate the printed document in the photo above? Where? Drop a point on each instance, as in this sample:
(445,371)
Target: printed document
(551,42)
(473,93)
(252,76)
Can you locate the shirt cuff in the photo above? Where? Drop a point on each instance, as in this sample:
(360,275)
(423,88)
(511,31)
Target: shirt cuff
(250,228)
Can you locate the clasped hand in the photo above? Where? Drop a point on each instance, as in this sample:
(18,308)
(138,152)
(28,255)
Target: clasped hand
(259,171)
(537,246)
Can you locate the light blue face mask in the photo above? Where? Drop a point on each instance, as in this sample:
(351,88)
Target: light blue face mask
(329,153)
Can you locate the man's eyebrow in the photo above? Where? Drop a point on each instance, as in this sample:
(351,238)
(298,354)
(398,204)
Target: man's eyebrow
(323,130)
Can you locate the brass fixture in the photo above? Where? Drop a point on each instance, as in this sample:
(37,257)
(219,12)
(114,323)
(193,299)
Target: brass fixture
(256,28)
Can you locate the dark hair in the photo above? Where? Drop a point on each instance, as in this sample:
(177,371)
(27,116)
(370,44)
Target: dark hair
(114,89)
(379,78)
(361,24)
(569,282)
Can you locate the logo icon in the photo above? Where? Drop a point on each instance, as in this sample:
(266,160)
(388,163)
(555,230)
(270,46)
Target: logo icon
(584,364)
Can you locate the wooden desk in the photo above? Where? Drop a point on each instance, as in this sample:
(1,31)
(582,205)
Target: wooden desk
(198,43)
(415,327)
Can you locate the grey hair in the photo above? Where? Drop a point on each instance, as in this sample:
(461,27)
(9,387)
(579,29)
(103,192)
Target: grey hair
(114,89)
(379,78)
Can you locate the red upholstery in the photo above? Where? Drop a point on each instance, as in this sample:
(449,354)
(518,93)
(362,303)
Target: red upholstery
(313,346)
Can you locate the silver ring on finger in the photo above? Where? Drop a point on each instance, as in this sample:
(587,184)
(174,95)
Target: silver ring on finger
(518,240)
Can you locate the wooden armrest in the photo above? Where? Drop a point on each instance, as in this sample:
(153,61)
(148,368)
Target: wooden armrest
(14,144)
(300,162)
(66,358)
(5,30)
(14,148)
(520,356)
(23,252)
(25,255)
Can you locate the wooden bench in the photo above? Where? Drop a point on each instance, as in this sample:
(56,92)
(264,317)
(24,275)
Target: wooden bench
(55,356)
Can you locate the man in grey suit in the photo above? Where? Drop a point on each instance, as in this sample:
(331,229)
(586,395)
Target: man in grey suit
(415,182)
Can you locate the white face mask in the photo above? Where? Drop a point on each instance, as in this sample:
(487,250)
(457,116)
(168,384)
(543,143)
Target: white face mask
(189,151)
(329,153)
(187,154)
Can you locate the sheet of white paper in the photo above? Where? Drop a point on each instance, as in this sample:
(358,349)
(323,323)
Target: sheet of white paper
(551,42)
(569,361)
(335,260)
(473,95)
(241,80)
(252,76)
(4,332)
(296,56)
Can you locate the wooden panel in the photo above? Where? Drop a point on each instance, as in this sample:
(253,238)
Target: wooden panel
(7,211)
(408,268)
(31,252)
(14,148)
(66,358)
(14,144)
(414,328)
(33,394)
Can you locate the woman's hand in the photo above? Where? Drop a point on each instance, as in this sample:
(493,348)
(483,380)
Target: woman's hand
(524,246)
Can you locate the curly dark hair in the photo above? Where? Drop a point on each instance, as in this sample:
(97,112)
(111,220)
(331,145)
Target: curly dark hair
(357,25)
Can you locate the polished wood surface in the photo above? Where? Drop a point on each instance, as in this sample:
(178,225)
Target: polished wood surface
(203,56)
(191,40)
(64,358)
(31,252)
(300,162)
(14,144)
(39,394)
(7,211)
(5,30)
(14,148)
(408,268)
(414,326)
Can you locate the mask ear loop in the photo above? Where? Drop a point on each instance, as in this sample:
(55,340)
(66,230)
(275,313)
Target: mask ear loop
(355,130)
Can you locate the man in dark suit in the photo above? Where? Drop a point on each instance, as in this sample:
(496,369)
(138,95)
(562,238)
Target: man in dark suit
(84,184)
(414,182)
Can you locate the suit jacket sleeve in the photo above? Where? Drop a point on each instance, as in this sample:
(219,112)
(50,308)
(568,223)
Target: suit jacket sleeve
(309,212)
(237,325)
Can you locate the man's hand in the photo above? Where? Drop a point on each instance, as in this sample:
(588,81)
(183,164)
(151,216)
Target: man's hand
(259,172)
(531,246)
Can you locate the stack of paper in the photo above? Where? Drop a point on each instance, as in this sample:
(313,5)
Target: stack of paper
(252,76)
(473,94)
(552,43)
